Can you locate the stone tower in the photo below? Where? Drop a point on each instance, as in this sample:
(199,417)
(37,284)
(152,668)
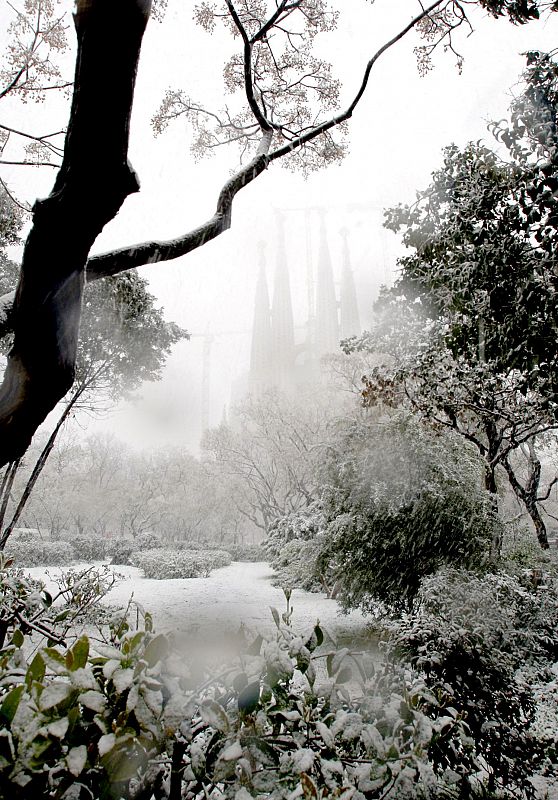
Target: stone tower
(261,351)
(327,323)
(350,320)
(282,324)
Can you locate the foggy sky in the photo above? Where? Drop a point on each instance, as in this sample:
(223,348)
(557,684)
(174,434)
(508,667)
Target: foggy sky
(396,137)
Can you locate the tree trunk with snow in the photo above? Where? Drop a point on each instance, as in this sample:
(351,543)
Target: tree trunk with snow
(93,182)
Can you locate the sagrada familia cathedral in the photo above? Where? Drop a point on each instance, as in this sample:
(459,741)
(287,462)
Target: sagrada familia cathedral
(282,356)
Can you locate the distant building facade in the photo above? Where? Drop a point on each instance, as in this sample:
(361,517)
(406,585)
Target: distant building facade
(277,359)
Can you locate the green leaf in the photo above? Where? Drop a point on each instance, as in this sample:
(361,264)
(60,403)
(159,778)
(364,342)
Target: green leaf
(261,750)
(215,715)
(240,681)
(18,638)
(54,659)
(11,702)
(338,658)
(35,670)
(80,652)
(53,694)
(344,675)
(156,650)
(249,698)
(122,764)
(256,646)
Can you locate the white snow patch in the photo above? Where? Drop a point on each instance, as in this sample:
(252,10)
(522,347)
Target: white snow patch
(210,611)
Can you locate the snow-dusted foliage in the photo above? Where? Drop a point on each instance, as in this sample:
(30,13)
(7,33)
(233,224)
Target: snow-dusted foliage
(488,647)
(467,334)
(294,715)
(400,503)
(163,564)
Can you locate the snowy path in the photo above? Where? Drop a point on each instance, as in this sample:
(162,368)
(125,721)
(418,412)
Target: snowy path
(241,592)
(211,610)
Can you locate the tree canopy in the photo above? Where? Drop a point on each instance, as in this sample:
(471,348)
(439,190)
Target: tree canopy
(471,322)
(287,97)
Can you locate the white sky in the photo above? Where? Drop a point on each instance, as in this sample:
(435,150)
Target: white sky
(396,136)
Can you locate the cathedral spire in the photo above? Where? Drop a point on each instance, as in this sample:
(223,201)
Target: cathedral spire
(350,320)
(282,324)
(261,352)
(327,324)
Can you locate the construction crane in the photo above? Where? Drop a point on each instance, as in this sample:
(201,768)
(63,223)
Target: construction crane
(208,339)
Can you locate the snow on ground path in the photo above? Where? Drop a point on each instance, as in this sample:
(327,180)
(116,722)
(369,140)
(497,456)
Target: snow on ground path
(239,593)
(211,610)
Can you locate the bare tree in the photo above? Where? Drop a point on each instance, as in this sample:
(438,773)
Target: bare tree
(288,100)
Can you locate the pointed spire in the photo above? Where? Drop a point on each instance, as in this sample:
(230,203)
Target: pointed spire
(261,352)
(327,324)
(282,324)
(350,320)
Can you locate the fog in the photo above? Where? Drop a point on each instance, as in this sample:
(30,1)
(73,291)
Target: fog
(395,139)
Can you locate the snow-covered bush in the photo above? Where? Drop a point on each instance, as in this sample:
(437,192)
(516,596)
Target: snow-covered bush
(402,502)
(297,565)
(77,723)
(121,719)
(294,716)
(482,644)
(245,552)
(165,564)
(148,541)
(294,545)
(88,548)
(25,604)
(38,552)
(380,553)
(300,717)
(120,550)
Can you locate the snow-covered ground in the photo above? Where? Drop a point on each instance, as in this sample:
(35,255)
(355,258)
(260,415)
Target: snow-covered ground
(210,611)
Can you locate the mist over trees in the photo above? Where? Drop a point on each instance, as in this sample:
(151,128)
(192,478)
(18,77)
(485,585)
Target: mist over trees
(285,113)
(470,324)
(411,480)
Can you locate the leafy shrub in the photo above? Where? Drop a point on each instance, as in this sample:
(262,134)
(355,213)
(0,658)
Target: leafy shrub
(120,550)
(147,541)
(77,720)
(520,550)
(378,553)
(297,565)
(165,564)
(402,502)
(272,728)
(480,643)
(294,716)
(294,545)
(38,553)
(26,605)
(245,552)
(88,548)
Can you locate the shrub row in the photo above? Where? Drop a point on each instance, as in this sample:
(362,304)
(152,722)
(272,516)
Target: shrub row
(165,564)
(39,553)
(32,551)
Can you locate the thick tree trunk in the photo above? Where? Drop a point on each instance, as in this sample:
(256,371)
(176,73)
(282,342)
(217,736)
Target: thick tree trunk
(93,182)
(37,469)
